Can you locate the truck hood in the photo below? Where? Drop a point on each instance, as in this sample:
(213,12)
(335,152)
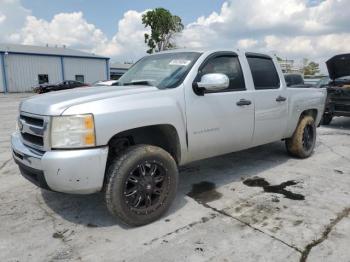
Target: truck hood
(55,103)
(339,66)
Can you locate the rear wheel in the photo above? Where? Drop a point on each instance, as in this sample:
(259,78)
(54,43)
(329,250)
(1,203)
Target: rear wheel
(141,184)
(303,141)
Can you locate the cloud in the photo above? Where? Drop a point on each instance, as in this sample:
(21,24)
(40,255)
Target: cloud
(292,28)
(2,18)
(70,29)
(316,29)
(247,43)
(128,43)
(12,19)
(306,46)
(18,25)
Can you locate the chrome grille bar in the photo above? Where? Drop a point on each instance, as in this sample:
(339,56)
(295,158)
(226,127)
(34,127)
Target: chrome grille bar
(33,130)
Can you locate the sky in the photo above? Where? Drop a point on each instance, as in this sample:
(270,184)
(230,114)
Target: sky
(106,16)
(292,29)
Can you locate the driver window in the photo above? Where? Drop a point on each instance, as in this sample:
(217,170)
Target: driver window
(228,65)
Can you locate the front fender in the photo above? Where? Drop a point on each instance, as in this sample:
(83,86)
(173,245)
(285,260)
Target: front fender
(115,115)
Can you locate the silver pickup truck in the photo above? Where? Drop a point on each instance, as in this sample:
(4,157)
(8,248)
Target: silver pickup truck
(169,109)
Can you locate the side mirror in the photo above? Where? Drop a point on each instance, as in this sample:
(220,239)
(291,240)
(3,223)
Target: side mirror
(212,82)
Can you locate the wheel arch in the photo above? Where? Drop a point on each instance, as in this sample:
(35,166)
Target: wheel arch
(295,119)
(309,112)
(162,135)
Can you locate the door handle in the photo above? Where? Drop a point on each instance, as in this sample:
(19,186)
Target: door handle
(243,102)
(281,99)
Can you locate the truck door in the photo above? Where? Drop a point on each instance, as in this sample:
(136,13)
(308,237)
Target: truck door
(222,121)
(271,105)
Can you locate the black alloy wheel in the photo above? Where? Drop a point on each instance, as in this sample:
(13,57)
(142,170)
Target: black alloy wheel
(141,183)
(308,137)
(146,187)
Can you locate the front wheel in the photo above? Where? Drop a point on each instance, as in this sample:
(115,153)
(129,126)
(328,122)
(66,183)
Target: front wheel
(303,141)
(141,184)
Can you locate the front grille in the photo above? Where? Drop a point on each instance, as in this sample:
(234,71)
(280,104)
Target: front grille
(36,140)
(33,121)
(33,130)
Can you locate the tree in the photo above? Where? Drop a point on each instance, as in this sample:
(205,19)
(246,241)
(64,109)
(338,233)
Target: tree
(279,59)
(310,68)
(164,26)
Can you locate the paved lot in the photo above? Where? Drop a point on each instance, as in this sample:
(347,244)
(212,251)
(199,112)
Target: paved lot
(229,221)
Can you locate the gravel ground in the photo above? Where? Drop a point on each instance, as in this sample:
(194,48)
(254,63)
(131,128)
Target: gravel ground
(216,217)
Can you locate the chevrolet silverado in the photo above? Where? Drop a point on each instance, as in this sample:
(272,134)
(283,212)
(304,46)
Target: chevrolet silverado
(170,108)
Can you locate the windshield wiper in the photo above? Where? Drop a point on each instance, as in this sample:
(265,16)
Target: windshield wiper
(138,82)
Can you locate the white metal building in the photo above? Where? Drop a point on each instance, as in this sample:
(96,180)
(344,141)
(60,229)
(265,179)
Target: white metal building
(117,70)
(23,67)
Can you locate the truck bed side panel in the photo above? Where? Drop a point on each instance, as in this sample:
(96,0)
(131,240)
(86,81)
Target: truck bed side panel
(300,100)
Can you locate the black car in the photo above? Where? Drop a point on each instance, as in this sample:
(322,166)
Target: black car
(338,89)
(67,84)
(296,81)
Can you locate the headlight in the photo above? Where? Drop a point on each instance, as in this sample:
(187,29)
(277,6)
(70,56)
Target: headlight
(72,131)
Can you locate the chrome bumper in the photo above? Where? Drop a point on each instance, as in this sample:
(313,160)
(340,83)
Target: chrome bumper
(68,171)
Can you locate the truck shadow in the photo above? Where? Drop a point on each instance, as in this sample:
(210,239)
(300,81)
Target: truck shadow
(340,123)
(90,210)
(233,167)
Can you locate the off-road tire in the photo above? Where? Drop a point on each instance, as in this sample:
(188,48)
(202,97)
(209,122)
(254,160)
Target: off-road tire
(296,144)
(326,119)
(118,175)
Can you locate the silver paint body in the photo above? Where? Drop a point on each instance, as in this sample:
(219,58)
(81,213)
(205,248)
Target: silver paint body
(214,124)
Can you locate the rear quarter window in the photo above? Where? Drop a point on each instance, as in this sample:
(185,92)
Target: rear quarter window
(264,73)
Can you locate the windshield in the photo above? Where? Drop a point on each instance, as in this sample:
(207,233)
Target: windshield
(58,83)
(100,84)
(106,83)
(323,82)
(162,70)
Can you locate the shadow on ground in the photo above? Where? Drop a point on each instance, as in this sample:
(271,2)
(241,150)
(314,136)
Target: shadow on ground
(90,210)
(342,123)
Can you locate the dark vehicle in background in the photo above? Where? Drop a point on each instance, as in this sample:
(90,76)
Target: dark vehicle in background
(67,84)
(296,81)
(338,89)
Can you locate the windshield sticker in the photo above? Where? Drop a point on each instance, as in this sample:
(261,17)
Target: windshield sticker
(180,62)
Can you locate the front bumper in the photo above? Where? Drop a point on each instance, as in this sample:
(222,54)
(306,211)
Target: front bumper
(68,171)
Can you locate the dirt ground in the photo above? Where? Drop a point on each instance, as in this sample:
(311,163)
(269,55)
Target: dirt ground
(255,205)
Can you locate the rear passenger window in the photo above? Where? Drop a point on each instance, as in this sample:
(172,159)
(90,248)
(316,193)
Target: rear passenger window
(264,73)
